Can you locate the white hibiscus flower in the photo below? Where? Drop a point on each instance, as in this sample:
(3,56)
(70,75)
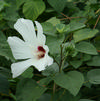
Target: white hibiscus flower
(33,48)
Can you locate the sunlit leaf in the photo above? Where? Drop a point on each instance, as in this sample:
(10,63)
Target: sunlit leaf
(54,21)
(33,9)
(84,34)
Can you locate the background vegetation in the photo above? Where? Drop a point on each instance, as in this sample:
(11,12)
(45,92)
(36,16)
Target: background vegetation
(72,28)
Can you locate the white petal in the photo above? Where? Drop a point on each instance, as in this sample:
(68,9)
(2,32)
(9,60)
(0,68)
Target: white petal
(46,48)
(49,60)
(19,67)
(19,49)
(40,36)
(26,29)
(42,63)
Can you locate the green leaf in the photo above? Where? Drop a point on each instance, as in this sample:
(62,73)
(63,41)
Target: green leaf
(85,100)
(54,44)
(6,72)
(28,73)
(51,70)
(58,5)
(97,42)
(94,76)
(86,81)
(3,4)
(72,81)
(76,63)
(86,47)
(91,2)
(54,21)
(48,28)
(75,26)
(45,97)
(84,34)
(60,28)
(94,62)
(45,81)
(4,47)
(11,14)
(63,95)
(20,2)
(29,90)
(33,9)
(86,57)
(4,85)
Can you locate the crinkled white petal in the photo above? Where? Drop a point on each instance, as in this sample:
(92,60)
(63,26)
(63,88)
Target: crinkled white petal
(26,28)
(28,49)
(43,62)
(46,48)
(40,36)
(19,67)
(19,48)
(49,60)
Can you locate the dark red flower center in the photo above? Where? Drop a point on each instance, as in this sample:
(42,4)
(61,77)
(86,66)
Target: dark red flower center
(41,51)
(40,48)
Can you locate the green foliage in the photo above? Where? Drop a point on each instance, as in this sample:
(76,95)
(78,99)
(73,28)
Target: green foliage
(71,81)
(32,9)
(4,47)
(64,95)
(85,100)
(51,70)
(4,85)
(60,28)
(26,86)
(3,4)
(45,81)
(54,21)
(74,27)
(5,72)
(11,14)
(72,30)
(44,97)
(58,5)
(48,28)
(94,62)
(20,2)
(86,47)
(94,76)
(28,73)
(76,63)
(84,34)
(56,42)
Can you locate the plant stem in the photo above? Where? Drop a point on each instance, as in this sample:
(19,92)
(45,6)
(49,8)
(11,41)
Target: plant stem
(96,22)
(54,88)
(60,67)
